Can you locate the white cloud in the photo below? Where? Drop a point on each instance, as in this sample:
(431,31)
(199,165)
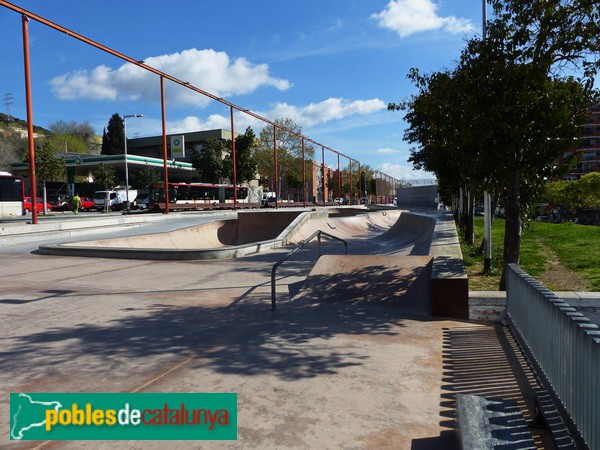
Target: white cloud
(208,70)
(327,110)
(313,114)
(215,121)
(387,151)
(404,171)
(407,17)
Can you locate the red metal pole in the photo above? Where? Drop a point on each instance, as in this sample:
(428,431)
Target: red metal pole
(359,184)
(339,180)
(30,138)
(303,176)
(164,142)
(275,164)
(351,187)
(233,161)
(323,172)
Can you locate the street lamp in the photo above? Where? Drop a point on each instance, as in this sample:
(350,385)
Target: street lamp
(125,117)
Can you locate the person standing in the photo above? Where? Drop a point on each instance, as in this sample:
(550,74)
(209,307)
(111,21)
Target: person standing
(76,202)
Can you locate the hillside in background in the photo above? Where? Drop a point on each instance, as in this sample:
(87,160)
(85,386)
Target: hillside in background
(7,123)
(13,139)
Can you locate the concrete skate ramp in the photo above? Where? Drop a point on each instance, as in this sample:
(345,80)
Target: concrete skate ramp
(382,232)
(247,228)
(398,281)
(416,265)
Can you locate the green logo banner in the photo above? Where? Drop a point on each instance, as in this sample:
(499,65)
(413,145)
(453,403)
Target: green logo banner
(119,416)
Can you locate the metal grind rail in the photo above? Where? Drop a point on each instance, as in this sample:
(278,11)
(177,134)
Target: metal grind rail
(316,234)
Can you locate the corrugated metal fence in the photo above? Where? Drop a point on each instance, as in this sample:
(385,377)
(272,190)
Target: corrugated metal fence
(565,347)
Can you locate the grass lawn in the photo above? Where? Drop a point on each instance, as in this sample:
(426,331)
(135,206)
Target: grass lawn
(565,257)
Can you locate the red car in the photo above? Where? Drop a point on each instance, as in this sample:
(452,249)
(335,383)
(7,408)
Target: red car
(85,204)
(39,205)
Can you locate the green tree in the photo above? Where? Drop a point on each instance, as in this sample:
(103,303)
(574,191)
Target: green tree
(364,182)
(63,143)
(48,167)
(104,174)
(113,142)
(289,153)
(82,131)
(245,145)
(442,121)
(523,108)
(146,177)
(208,161)
(589,190)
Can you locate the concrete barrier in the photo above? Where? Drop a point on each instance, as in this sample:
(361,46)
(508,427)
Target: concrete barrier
(449,282)
(490,306)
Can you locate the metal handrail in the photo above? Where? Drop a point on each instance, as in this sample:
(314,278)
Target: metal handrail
(316,234)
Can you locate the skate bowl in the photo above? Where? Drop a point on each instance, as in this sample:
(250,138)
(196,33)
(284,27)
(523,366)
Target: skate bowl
(405,240)
(250,233)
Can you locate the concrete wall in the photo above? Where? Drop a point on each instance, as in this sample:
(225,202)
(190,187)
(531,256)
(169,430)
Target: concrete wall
(418,196)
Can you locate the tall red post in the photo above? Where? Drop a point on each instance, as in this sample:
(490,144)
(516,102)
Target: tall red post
(323,172)
(351,187)
(233,161)
(339,180)
(164,142)
(30,138)
(303,176)
(275,165)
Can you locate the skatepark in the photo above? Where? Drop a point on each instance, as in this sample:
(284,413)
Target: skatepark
(356,355)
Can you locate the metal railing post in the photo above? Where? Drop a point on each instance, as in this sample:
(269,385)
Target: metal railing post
(319,245)
(316,234)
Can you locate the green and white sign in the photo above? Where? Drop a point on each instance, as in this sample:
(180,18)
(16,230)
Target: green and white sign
(177,147)
(121,416)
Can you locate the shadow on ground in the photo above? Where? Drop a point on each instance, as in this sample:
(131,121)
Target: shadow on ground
(243,337)
(483,361)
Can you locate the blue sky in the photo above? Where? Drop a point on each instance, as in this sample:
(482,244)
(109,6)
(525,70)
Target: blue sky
(330,65)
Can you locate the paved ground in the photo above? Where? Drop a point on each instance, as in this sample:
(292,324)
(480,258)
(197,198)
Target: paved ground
(318,373)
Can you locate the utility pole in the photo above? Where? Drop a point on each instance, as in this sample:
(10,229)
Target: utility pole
(487,199)
(8,102)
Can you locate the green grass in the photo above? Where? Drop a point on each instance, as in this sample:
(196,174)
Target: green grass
(576,246)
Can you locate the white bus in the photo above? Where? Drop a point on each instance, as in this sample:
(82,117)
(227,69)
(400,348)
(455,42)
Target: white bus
(12,191)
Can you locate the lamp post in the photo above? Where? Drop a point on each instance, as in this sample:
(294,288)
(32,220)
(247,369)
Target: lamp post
(125,117)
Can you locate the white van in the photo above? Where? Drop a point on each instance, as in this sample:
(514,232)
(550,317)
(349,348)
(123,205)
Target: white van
(116,199)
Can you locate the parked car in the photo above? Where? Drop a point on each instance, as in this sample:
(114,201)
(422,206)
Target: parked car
(141,201)
(39,205)
(583,220)
(59,202)
(85,204)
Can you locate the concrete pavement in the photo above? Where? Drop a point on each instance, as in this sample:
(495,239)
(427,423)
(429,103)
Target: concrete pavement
(315,374)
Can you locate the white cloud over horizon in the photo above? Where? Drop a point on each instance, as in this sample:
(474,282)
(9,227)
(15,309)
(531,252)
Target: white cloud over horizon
(327,110)
(404,171)
(312,114)
(407,17)
(209,70)
(387,151)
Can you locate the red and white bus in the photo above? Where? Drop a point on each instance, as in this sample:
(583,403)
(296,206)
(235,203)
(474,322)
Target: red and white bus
(12,191)
(184,196)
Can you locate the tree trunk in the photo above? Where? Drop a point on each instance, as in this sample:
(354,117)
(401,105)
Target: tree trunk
(462,214)
(513,226)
